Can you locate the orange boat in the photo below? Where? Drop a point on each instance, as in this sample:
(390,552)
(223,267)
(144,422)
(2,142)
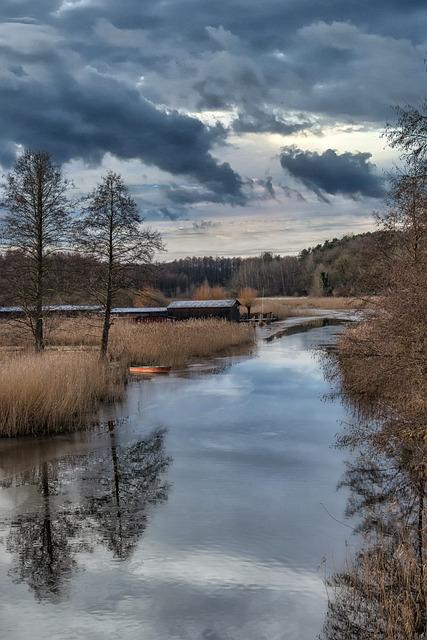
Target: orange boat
(149,370)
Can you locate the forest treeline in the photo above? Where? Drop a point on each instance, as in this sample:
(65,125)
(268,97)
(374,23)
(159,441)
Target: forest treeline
(344,267)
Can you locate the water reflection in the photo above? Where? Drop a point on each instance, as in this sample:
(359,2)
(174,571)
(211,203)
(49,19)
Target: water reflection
(121,486)
(77,502)
(42,538)
(382,594)
(235,554)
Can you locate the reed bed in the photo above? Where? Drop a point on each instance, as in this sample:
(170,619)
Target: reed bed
(281,310)
(288,307)
(312,302)
(54,391)
(61,389)
(163,343)
(175,343)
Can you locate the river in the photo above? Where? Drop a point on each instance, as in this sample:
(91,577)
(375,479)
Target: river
(206,508)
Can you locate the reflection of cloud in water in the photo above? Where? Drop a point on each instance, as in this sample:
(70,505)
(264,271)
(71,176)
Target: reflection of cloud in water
(232,385)
(210,569)
(235,553)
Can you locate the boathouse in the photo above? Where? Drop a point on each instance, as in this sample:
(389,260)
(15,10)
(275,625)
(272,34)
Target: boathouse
(186,309)
(141,314)
(138,314)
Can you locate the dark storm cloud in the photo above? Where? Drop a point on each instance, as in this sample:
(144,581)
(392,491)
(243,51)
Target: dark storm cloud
(332,173)
(165,213)
(349,59)
(261,121)
(124,69)
(182,195)
(267,191)
(91,114)
(264,24)
(288,192)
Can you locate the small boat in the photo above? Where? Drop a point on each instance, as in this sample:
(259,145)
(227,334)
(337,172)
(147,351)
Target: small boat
(148,370)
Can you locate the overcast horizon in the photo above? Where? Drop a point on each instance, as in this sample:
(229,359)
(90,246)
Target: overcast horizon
(239,127)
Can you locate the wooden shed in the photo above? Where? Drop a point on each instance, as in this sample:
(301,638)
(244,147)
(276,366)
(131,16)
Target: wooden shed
(138,314)
(186,309)
(141,314)
(56,309)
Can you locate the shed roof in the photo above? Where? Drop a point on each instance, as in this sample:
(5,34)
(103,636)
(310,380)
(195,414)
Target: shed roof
(203,304)
(139,310)
(56,307)
(64,308)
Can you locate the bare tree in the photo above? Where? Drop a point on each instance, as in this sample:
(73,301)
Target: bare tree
(381,366)
(247,297)
(408,134)
(110,231)
(36,222)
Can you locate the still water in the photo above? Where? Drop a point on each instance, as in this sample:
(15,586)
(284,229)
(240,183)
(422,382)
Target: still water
(205,509)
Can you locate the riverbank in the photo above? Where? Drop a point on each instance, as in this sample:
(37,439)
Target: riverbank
(61,389)
(283,307)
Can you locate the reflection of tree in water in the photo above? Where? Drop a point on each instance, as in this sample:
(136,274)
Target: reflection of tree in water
(125,483)
(110,508)
(44,539)
(382,594)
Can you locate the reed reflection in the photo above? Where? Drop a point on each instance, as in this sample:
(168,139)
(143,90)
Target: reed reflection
(382,592)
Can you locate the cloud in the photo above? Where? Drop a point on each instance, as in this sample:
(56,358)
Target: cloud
(205,225)
(267,191)
(165,213)
(87,114)
(265,121)
(332,173)
(288,192)
(138,80)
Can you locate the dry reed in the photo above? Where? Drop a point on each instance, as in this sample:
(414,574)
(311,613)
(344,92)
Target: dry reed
(175,343)
(61,389)
(288,307)
(53,392)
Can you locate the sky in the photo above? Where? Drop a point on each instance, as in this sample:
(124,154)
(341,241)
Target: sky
(240,126)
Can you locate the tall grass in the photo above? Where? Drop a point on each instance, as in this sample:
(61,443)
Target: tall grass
(163,343)
(288,307)
(61,389)
(175,343)
(53,392)
(172,343)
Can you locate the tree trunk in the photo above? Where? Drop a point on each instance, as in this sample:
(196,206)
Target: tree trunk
(38,328)
(38,325)
(106,326)
(109,296)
